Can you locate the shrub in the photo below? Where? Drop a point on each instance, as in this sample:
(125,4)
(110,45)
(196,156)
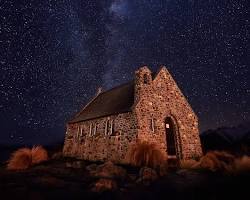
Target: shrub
(146,154)
(217,161)
(20,159)
(189,164)
(24,158)
(39,154)
(242,164)
(57,155)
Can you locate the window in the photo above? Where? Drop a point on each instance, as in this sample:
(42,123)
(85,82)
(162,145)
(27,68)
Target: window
(90,129)
(109,127)
(95,128)
(76,137)
(152,125)
(145,79)
(81,131)
(167,126)
(112,129)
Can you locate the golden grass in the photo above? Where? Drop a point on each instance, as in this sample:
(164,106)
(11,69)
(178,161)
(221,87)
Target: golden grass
(24,158)
(242,164)
(39,154)
(146,154)
(20,159)
(189,164)
(217,161)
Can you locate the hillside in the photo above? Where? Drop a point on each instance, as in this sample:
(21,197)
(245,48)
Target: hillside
(234,139)
(74,179)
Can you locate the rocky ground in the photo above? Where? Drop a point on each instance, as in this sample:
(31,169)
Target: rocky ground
(75,179)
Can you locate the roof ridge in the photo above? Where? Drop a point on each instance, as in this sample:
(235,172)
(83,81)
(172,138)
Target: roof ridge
(115,100)
(86,105)
(118,86)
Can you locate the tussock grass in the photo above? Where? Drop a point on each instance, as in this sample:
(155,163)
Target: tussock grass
(242,164)
(217,161)
(146,154)
(24,158)
(189,164)
(20,159)
(38,154)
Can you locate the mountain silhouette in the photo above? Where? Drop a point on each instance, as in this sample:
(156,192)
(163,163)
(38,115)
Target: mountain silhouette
(235,139)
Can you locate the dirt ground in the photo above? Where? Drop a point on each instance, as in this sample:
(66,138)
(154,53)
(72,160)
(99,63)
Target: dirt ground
(72,179)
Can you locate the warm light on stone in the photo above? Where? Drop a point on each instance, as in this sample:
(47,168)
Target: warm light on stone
(151,102)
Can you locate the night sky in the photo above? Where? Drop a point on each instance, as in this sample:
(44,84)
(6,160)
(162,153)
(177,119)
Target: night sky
(55,54)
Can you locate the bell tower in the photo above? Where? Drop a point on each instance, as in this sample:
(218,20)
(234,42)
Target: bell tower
(143,80)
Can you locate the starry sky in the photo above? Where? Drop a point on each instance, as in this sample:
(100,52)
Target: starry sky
(55,54)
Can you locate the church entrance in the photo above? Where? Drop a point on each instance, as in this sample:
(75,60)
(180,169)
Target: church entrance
(170,137)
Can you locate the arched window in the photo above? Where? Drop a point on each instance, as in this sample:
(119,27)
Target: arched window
(113,131)
(170,136)
(95,128)
(81,132)
(145,78)
(77,133)
(107,127)
(90,129)
(152,125)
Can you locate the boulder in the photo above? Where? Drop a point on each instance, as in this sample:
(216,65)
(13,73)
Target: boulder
(108,170)
(49,181)
(163,169)
(57,155)
(75,164)
(147,175)
(104,185)
(91,168)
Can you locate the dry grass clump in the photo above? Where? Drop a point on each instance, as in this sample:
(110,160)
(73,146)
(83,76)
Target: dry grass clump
(20,159)
(189,164)
(24,158)
(38,154)
(146,154)
(217,161)
(57,155)
(242,164)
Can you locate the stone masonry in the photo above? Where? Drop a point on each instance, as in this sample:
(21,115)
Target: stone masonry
(101,133)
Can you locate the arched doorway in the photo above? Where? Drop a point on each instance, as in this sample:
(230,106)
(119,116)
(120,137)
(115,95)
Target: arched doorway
(171,137)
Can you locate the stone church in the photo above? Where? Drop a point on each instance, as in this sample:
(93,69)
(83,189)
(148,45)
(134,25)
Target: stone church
(149,108)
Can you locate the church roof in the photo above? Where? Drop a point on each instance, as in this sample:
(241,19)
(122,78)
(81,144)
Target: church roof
(114,101)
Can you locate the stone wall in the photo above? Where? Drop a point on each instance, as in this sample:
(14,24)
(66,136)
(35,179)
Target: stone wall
(102,143)
(157,99)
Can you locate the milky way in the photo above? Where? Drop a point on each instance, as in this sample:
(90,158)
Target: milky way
(55,54)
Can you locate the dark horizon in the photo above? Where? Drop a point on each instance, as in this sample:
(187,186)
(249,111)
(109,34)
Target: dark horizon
(55,54)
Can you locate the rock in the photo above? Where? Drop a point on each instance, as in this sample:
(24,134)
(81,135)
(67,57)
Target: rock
(147,175)
(49,181)
(74,164)
(57,155)
(91,168)
(132,177)
(108,170)
(104,185)
(163,169)
(182,172)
